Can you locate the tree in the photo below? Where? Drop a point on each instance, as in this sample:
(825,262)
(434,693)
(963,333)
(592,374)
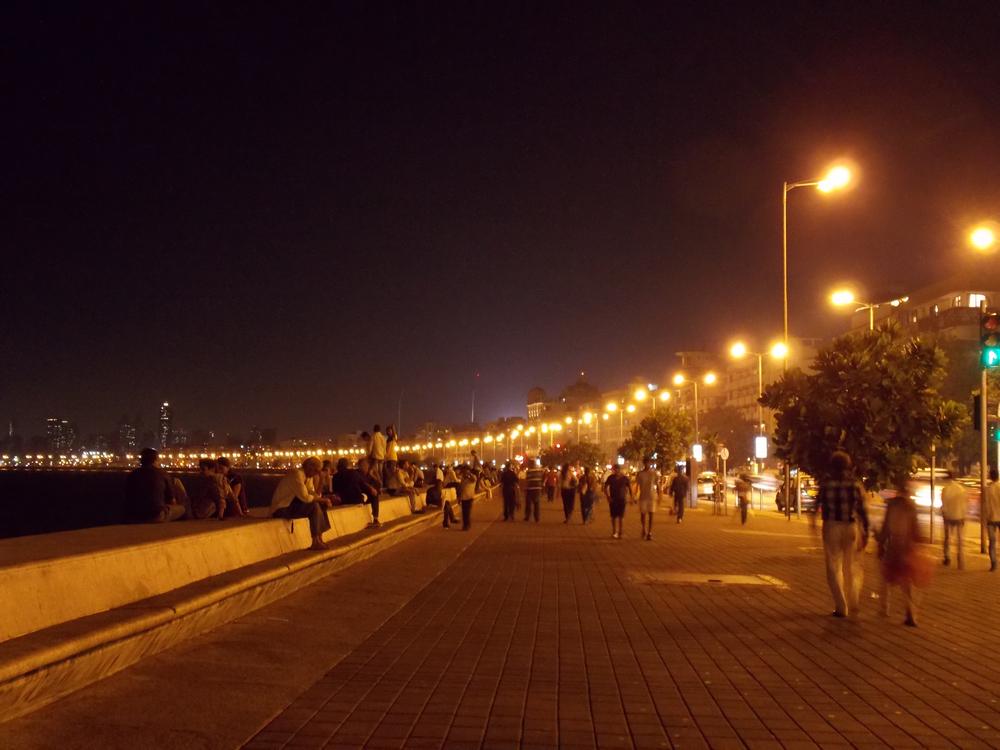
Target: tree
(875,396)
(587,453)
(665,434)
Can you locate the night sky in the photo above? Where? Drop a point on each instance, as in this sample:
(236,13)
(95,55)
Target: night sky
(271,216)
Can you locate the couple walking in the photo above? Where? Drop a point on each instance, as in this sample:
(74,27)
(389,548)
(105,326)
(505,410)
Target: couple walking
(570,486)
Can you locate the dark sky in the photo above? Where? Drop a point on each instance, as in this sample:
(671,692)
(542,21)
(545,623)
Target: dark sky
(280,217)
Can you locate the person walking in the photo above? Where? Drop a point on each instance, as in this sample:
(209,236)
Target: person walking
(551,482)
(618,488)
(588,494)
(954,507)
(509,486)
(897,552)
(841,504)
(991,515)
(468,484)
(679,487)
(648,483)
(567,487)
(533,480)
(744,490)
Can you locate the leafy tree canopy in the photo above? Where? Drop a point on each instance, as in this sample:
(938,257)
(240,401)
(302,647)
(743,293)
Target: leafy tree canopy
(587,453)
(666,434)
(875,396)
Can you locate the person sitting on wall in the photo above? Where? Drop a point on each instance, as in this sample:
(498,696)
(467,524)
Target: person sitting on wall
(149,492)
(295,498)
(353,488)
(208,493)
(236,493)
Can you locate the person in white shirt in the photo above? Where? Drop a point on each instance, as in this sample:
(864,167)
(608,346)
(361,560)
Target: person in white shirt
(296,497)
(991,515)
(377,451)
(648,483)
(954,506)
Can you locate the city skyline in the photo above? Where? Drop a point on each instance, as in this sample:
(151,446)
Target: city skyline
(304,217)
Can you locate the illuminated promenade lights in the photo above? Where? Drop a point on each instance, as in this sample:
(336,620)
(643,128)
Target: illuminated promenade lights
(845,297)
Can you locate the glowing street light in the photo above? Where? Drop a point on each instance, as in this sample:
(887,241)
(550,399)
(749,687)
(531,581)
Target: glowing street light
(640,394)
(664,396)
(778,350)
(983,238)
(611,406)
(836,179)
(709,378)
(844,297)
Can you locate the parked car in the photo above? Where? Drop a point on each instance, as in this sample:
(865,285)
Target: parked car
(808,492)
(706,484)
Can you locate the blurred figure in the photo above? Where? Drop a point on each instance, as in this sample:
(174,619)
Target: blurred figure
(374,482)
(468,486)
(391,451)
(534,480)
(567,488)
(508,488)
(376,452)
(991,515)
(618,488)
(588,494)
(897,551)
(149,492)
(294,498)
(326,478)
(353,488)
(954,506)
(680,486)
(450,478)
(208,493)
(647,482)
(551,482)
(744,493)
(841,504)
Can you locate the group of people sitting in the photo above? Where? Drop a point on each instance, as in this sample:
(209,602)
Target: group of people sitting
(152,495)
(307,491)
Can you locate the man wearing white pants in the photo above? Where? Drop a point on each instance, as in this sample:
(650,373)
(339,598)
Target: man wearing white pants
(841,503)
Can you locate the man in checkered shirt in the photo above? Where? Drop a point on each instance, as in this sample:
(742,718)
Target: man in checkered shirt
(842,505)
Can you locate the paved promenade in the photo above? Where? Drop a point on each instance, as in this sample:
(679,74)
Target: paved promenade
(552,635)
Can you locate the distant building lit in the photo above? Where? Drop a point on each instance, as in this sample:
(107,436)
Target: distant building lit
(60,434)
(166,425)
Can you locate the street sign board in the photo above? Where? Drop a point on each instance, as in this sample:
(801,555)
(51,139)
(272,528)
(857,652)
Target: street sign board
(724,453)
(760,446)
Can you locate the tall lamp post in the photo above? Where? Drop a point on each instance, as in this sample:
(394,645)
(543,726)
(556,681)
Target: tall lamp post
(779,351)
(836,179)
(984,239)
(680,381)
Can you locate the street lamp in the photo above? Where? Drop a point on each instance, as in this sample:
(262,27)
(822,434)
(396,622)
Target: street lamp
(843,297)
(983,238)
(709,378)
(778,351)
(836,179)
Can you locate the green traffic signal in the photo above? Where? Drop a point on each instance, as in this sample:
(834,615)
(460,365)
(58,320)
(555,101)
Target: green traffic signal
(991,357)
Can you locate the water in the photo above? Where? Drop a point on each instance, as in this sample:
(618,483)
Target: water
(39,502)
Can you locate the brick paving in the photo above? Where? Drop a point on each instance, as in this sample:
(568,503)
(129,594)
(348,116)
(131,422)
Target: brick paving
(551,635)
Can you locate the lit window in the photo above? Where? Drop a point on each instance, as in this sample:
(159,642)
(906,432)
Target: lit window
(977,300)
(934,310)
(957,301)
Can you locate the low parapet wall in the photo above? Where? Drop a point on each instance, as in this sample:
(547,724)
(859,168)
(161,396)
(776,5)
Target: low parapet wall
(79,606)
(49,579)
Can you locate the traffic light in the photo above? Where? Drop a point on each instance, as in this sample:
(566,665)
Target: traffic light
(989,337)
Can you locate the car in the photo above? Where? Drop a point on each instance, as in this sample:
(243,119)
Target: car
(808,492)
(706,484)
